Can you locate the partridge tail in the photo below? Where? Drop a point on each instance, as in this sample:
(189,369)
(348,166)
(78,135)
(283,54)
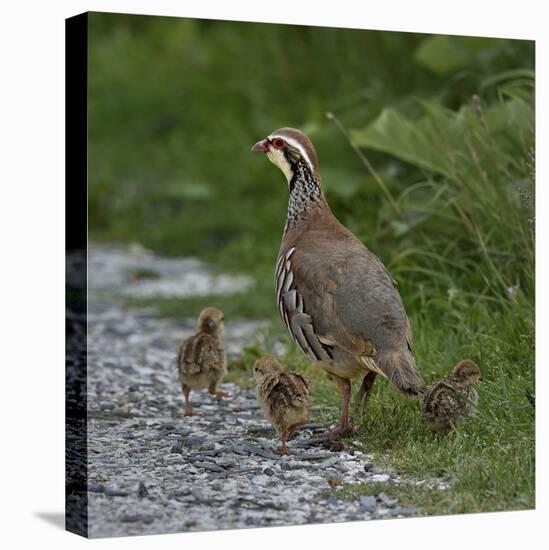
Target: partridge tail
(400,368)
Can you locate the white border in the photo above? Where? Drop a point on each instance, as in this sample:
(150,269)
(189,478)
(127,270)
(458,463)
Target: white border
(32,247)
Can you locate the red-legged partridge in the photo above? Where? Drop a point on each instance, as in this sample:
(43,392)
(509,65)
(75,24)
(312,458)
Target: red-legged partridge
(284,397)
(449,401)
(337,299)
(201,359)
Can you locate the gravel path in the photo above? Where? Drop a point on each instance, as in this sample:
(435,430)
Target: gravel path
(151,470)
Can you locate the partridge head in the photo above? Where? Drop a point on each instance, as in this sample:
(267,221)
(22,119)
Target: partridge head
(336,298)
(201,360)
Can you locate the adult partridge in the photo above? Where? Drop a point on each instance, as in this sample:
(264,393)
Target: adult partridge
(337,299)
(449,401)
(201,360)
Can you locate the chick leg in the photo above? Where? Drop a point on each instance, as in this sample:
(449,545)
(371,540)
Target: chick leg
(344,425)
(363,394)
(283,449)
(188,408)
(294,427)
(217,394)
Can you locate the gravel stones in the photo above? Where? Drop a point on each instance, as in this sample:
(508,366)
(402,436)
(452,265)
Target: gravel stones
(380,478)
(386,500)
(142,490)
(113,268)
(368,503)
(115,491)
(152,470)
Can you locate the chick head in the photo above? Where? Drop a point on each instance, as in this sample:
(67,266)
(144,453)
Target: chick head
(467,371)
(266,366)
(211,321)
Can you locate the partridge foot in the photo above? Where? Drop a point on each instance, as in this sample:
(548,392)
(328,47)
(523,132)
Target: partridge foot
(333,434)
(189,412)
(220,394)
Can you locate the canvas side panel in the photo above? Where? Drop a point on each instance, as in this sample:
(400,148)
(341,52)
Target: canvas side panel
(76,458)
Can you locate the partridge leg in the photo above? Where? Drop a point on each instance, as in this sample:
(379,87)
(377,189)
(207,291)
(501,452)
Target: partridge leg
(188,408)
(344,425)
(363,394)
(217,394)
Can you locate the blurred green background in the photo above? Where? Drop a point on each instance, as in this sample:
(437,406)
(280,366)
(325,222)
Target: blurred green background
(430,162)
(175,105)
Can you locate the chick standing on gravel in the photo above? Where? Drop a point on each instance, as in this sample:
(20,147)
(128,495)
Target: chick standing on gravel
(284,398)
(201,359)
(449,401)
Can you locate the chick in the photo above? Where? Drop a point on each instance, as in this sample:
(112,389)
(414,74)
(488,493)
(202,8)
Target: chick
(449,401)
(284,397)
(201,360)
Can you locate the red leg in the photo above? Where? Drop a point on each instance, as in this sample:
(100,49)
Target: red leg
(188,408)
(344,425)
(217,394)
(220,394)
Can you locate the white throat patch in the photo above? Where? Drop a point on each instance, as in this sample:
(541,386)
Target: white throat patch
(277,157)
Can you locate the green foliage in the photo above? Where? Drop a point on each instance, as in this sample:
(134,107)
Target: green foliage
(452,144)
(445,127)
(472,215)
(445,55)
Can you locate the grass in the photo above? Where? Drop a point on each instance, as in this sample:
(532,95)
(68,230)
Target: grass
(490,458)
(430,165)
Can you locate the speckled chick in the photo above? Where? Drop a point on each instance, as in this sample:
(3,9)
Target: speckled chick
(284,398)
(201,359)
(449,401)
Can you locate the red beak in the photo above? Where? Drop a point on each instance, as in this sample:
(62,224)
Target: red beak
(262,146)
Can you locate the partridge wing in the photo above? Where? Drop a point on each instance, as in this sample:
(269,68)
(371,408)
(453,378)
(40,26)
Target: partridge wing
(293,311)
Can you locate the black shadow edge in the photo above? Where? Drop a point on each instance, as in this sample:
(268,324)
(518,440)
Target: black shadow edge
(76,237)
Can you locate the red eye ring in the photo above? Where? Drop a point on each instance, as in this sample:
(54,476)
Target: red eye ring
(278,143)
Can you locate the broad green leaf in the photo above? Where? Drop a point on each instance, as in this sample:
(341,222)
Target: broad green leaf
(415,142)
(441,54)
(448,142)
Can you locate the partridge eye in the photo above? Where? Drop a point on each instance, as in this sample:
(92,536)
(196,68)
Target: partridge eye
(278,143)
